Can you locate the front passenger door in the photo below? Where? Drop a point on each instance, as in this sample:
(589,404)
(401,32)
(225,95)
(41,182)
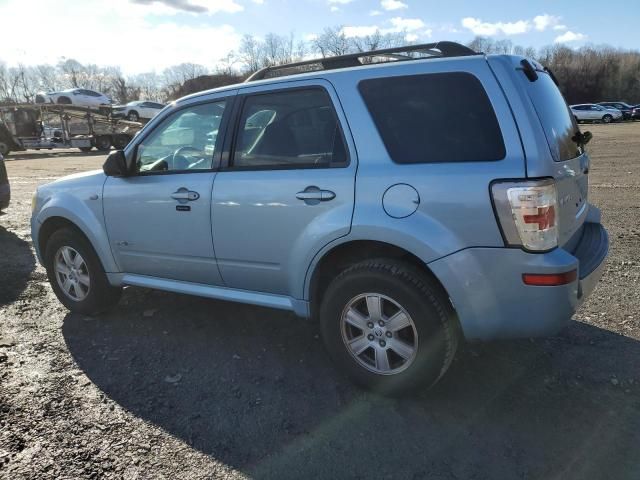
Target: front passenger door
(159,220)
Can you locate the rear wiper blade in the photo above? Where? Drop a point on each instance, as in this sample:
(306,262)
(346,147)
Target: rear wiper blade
(582,138)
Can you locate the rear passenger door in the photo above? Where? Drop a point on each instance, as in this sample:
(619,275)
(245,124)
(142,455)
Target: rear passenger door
(286,188)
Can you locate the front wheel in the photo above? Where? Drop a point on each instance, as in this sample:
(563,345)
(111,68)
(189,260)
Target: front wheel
(607,119)
(388,326)
(76,274)
(133,116)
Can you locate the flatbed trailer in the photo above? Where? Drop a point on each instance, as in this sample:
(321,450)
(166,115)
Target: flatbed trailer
(28,126)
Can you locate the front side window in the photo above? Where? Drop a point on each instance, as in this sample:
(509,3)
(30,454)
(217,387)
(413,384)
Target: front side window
(289,129)
(185,141)
(439,117)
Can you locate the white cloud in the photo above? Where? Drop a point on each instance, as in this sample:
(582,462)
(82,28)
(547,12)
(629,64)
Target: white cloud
(428,33)
(361,31)
(375,13)
(393,5)
(559,28)
(192,6)
(570,36)
(409,24)
(334,4)
(542,22)
(478,27)
(398,25)
(258,2)
(94,39)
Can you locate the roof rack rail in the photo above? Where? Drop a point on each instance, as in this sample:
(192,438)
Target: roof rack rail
(428,50)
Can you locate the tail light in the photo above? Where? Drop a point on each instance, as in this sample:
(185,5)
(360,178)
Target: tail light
(527,213)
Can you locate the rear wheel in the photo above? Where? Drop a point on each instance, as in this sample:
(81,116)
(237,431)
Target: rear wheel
(607,118)
(64,101)
(133,116)
(103,143)
(76,274)
(388,326)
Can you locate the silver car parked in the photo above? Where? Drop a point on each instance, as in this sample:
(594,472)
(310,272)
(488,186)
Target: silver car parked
(590,112)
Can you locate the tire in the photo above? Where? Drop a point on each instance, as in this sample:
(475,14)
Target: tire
(95,297)
(607,119)
(103,143)
(121,141)
(133,116)
(85,149)
(4,149)
(64,101)
(431,332)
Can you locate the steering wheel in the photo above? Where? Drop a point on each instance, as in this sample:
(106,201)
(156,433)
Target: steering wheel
(179,161)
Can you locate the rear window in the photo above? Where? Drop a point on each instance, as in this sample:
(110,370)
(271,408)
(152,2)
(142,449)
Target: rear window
(556,118)
(440,117)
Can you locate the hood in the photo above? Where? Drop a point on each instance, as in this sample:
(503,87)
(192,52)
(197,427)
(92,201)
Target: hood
(91,178)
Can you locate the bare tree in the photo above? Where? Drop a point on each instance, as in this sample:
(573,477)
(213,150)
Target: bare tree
(332,41)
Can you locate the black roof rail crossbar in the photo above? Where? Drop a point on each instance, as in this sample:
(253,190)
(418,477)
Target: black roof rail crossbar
(437,49)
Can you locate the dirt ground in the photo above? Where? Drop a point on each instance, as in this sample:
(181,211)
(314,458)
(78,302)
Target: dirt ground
(174,387)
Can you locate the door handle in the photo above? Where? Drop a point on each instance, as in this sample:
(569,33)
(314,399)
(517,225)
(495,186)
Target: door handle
(184,195)
(313,195)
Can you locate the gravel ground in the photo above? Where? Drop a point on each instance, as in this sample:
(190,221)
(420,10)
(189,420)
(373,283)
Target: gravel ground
(169,386)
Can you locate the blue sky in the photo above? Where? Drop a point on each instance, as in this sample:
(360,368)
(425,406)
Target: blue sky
(144,35)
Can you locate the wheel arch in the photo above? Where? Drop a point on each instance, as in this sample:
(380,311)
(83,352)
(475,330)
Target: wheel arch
(54,217)
(351,252)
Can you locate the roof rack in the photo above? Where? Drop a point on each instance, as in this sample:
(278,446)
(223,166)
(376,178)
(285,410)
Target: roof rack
(409,52)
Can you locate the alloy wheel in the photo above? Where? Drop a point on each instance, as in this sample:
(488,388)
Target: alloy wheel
(379,333)
(72,273)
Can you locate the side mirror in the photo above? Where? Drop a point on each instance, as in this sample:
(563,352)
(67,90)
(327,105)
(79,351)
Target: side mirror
(116,165)
(586,137)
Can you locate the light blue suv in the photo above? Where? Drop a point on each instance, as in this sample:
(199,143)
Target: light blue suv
(405,198)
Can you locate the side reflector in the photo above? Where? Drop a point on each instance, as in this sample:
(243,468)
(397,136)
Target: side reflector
(549,279)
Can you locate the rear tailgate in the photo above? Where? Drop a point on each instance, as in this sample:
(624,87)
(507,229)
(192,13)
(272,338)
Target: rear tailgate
(567,163)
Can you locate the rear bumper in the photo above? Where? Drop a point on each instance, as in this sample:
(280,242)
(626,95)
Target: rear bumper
(491,300)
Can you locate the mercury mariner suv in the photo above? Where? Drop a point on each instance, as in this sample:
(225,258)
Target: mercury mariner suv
(405,198)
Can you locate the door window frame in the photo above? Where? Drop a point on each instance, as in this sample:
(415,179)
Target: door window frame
(228,151)
(221,139)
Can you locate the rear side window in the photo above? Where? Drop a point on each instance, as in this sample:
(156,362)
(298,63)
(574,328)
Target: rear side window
(289,129)
(440,117)
(556,118)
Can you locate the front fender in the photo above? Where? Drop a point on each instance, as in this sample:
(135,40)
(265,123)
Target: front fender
(84,210)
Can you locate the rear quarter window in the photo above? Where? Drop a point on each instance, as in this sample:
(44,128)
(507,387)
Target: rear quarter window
(431,118)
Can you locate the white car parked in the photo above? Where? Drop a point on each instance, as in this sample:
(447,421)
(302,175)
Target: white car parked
(134,111)
(80,97)
(590,112)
